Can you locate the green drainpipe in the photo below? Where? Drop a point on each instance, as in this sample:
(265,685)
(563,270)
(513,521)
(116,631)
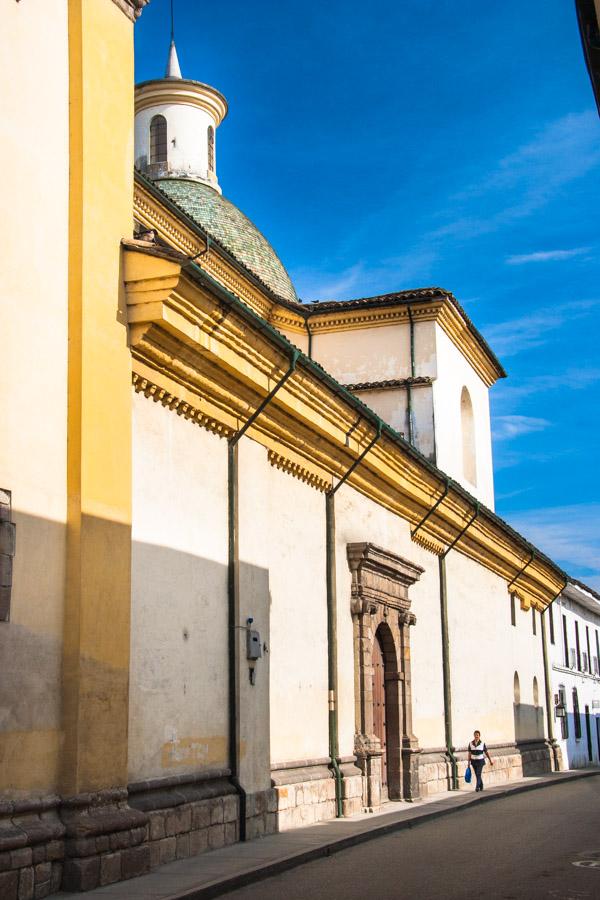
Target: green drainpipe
(332,623)
(446,651)
(411,435)
(232,588)
(548,683)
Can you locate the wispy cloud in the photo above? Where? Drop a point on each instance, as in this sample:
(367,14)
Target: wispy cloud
(568,534)
(514,187)
(509,427)
(532,330)
(390,274)
(510,494)
(524,181)
(574,379)
(506,457)
(312,284)
(563,151)
(545,256)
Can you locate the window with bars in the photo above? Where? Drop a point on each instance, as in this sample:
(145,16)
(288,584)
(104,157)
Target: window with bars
(577,646)
(565,640)
(564,719)
(576,715)
(211,149)
(158,139)
(551,624)
(513,613)
(533,620)
(589,651)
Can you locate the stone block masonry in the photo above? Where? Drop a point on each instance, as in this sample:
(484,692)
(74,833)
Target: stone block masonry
(511,762)
(92,840)
(305,792)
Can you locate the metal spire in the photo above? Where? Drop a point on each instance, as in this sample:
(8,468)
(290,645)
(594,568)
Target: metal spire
(173,67)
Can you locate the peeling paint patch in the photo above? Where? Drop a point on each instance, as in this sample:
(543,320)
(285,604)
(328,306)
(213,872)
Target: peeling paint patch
(193,751)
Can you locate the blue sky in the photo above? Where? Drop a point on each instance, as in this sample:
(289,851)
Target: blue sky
(392,146)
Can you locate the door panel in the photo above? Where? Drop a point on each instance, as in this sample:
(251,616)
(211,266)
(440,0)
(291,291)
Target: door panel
(379,716)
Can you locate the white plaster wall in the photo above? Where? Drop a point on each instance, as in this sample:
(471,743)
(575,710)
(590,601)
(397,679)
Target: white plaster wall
(391,405)
(575,750)
(254,601)
(454,373)
(486,651)
(34,158)
(359,519)
(375,354)
(282,527)
(299,340)
(178,708)
(187,138)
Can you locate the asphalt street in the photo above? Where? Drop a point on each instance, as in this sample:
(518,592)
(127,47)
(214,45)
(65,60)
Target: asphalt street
(542,844)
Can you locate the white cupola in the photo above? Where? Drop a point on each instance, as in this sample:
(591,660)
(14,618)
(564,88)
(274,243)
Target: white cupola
(176,120)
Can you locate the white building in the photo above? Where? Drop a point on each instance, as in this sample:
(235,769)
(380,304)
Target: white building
(574,639)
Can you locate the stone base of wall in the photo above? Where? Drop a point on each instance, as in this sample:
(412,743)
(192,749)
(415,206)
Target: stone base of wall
(511,762)
(186,817)
(32,849)
(305,792)
(91,840)
(261,814)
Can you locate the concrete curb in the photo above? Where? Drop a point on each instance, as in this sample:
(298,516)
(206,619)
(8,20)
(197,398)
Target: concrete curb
(276,867)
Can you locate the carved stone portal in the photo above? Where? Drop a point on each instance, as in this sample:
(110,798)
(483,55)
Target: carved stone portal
(381,614)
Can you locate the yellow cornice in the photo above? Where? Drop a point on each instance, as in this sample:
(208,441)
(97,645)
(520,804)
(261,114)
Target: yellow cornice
(440,310)
(153,214)
(215,367)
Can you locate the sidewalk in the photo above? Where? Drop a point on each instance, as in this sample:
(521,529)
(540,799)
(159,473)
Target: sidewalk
(219,871)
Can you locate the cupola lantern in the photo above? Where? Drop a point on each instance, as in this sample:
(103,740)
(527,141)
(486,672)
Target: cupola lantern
(175,125)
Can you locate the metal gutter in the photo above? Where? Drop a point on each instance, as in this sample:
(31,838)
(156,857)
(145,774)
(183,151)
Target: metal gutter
(232,588)
(202,277)
(548,682)
(521,571)
(209,238)
(411,328)
(446,650)
(433,508)
(332,622)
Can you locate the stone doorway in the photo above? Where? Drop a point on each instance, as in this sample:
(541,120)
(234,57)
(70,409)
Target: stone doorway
(385,746)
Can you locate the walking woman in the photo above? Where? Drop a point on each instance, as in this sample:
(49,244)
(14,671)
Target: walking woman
(477,751)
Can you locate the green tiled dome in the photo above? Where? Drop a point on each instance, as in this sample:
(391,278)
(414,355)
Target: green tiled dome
(230,227)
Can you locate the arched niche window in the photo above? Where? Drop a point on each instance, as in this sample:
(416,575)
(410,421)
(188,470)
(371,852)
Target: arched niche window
(211,148)
(158,139)
(467,421)
(517,688)
(536,692)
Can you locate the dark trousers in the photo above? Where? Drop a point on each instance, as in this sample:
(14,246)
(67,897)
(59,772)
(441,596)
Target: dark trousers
(478,765)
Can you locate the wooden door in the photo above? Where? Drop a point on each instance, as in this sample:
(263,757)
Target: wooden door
(379,717)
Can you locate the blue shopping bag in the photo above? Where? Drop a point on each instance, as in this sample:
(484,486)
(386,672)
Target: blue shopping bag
(468,774)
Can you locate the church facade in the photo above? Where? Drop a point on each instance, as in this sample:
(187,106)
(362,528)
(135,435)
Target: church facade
(249,555)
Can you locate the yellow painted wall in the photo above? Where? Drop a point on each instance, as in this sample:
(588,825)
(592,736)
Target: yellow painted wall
(96,657)
(34,159)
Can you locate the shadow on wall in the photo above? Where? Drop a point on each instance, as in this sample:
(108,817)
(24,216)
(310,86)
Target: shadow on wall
(583,750)
(529,722)
(530,739)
